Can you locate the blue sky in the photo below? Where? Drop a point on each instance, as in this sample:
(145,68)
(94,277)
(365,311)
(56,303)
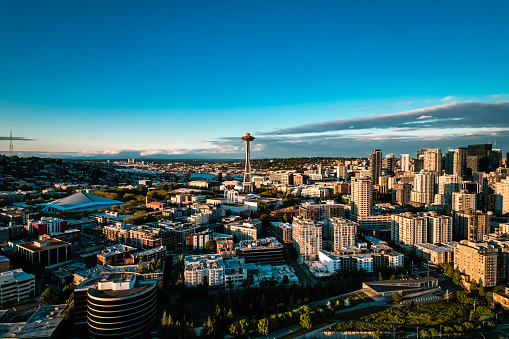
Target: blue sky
(188,78)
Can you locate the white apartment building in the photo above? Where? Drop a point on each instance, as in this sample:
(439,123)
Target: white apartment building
(307,238)
(447,185)
(408,230)
(204,269)
(247,230)
(502,196)
(394,259)
(436,253)
(423,188)
(200,218)
(361,197)
(344,232)
(433,160)
(15,286)
(462,201)
(330,260)
(404,163)
(439,227)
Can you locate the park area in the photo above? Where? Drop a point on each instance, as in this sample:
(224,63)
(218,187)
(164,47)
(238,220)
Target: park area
(432,314)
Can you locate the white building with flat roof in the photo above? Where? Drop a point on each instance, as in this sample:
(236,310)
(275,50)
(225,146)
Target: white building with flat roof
(206,269)
(15,286)
(307,238)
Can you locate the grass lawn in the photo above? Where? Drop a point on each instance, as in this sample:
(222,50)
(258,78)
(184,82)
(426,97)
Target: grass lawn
(359,313)
(303,331)
(431,314)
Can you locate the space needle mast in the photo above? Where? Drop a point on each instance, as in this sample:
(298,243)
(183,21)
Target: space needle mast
(248,184)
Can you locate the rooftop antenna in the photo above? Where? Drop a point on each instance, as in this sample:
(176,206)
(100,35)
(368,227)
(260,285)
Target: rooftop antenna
(11,146)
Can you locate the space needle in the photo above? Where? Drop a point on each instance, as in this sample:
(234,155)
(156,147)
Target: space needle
(248,184)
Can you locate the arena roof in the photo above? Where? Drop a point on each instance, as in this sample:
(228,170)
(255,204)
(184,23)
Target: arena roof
(80,202)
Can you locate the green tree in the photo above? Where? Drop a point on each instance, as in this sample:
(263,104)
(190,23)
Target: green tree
(263,326)
(210,246)
(456,279)
(209,329)
(402,335)
(424,334)
(235,329)
(433,332)
(305,320)
(473,285)
(48,297)
(380,277)
(448,329)
(377,334)
(397,297)
(244,326)
(286,280)
(482,292)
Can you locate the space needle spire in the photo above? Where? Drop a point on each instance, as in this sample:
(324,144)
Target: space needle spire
(248,184)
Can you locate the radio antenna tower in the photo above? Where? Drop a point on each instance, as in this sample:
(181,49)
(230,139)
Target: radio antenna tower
(11,146)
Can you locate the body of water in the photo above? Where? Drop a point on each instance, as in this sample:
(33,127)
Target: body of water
(193,175)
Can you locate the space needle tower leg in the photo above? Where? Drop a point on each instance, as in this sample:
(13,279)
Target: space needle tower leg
(248,184)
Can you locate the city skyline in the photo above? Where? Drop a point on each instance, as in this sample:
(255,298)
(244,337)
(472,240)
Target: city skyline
(180,80)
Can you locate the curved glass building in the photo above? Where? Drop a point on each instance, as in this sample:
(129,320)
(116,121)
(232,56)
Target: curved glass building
(121,306)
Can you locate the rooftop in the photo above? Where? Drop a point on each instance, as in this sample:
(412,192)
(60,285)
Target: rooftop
(42,323)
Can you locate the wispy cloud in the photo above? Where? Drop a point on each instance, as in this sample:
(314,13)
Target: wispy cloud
(424,117)
(17,138)
(448,98)
(499,95)
(406,103)
(452,115)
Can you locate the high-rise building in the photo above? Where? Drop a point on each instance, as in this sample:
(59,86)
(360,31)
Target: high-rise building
(482,158)
(423,188)
(502,196)
(390,163)
(408,229)
(433,160)
(307,238)
(375,163)
(477,260)
(471,225)
(117,305)
(439,228)
(463,201)
(405,162)
(361,198)
(447,185)
(449,162)
(403,193)
(344,233)
(320,212)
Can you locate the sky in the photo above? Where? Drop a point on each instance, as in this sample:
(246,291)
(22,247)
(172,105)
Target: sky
(186,79)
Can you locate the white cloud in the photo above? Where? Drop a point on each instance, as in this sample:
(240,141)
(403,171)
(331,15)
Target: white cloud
(424,117)
(448,98)
(499,95)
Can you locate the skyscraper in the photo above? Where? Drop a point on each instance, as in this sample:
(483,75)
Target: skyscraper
(375,163)
(433,160)
(389,165)
(362,197)
(307,238)
(248,184)
(423,188)
(404,164)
